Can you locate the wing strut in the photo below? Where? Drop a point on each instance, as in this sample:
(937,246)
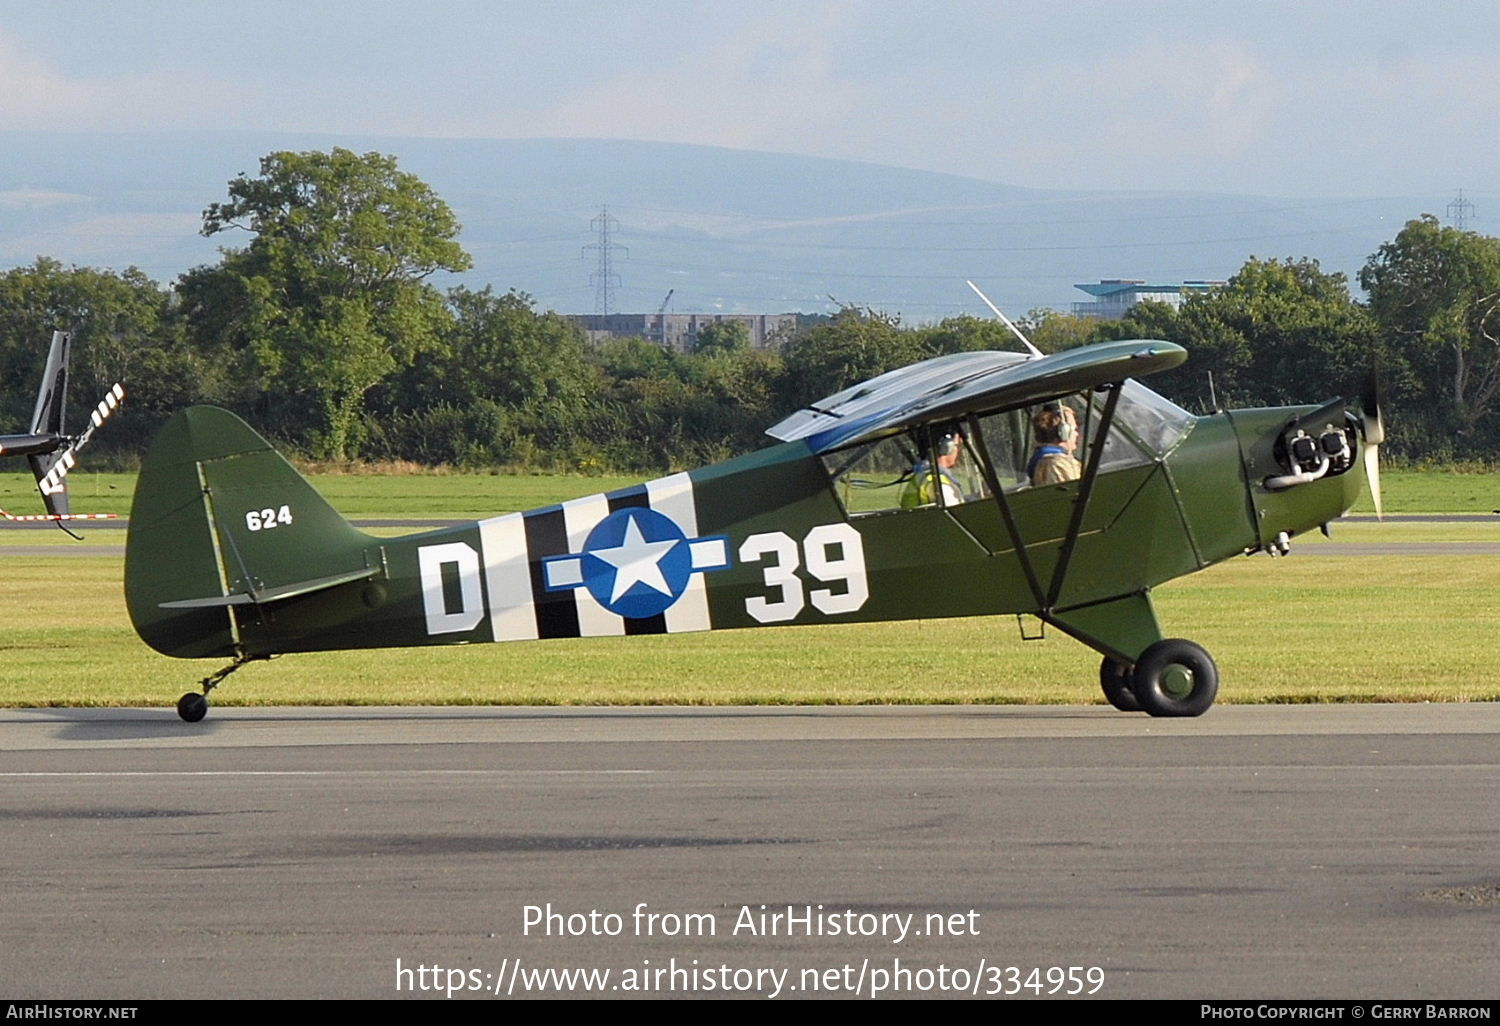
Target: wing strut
(1085,491)
(1048,600)
(1011,526)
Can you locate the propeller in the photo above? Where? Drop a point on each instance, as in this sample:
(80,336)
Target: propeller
(1373,422)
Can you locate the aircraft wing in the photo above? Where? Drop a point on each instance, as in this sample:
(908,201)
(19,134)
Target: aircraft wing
(950,387)
(891,390)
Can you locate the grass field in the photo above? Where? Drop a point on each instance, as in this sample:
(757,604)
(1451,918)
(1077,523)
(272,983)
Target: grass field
(1315,628)
(481,495)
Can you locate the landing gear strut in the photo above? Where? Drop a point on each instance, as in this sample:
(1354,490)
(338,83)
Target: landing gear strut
(192,706)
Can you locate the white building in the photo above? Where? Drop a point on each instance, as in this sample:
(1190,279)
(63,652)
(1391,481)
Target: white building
(1113,297)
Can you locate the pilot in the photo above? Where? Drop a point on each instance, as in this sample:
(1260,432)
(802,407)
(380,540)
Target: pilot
(927,482)
(1055,430)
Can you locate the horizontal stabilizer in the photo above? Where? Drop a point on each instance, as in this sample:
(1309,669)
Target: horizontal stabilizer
(285,591)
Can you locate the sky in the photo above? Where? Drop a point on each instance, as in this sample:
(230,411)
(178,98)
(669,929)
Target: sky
(1295,98)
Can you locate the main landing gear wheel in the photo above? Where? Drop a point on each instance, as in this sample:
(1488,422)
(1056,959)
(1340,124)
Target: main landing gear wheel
(1114,678)
(192,706)
(1175,677)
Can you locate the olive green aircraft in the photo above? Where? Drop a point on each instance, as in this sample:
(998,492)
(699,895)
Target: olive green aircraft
(917,494)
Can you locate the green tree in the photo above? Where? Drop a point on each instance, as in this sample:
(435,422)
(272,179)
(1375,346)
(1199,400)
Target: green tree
(625,358)
(124,329)
(722,336)
(1052,332)
(1435,292)
(513,385)
(502,349)
(855,345)
(740,393)
(330,296)
(1277,332)
(967,334)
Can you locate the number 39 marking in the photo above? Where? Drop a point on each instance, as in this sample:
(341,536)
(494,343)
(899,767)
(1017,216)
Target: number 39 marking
(834,553)
(266,519)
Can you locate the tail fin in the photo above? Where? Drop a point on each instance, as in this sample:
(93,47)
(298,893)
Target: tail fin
(47,419)
(50,451)
(52,396)
(221,527)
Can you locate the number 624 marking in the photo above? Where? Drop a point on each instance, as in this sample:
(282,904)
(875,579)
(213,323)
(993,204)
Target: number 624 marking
(266,519)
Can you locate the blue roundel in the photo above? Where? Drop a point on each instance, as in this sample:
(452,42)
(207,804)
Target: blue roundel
(636,562)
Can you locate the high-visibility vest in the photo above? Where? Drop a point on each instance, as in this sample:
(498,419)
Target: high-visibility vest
(922,489)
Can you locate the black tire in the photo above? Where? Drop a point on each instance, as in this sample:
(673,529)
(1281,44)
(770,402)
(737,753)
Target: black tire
(1114,678)
(192,707)
(1175,677)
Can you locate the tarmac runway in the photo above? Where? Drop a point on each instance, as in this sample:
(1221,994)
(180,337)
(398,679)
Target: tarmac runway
(1257,852)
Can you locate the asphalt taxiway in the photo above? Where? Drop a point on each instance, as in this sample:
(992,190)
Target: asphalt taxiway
(1258,851)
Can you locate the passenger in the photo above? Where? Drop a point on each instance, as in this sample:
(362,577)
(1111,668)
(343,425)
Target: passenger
(927,482)
(1055,430)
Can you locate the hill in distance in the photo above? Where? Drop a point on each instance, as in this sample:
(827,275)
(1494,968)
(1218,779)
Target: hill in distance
(725,230)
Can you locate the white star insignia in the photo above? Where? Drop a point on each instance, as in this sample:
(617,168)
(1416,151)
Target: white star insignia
(636,561)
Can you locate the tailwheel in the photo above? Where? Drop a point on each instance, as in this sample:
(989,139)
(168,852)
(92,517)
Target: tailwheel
(192,706)
(1114,678)
(1175,677)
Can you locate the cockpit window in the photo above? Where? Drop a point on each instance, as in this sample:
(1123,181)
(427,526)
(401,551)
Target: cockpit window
(1046,443)
(926,467)
(869,478)
(1157,423)
(1042,444)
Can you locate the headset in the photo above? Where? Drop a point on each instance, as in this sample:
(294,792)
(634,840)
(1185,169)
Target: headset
(1065,426)
(947,441)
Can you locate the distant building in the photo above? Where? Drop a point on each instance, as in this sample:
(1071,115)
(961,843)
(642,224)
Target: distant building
(679,332)
(1113,297)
